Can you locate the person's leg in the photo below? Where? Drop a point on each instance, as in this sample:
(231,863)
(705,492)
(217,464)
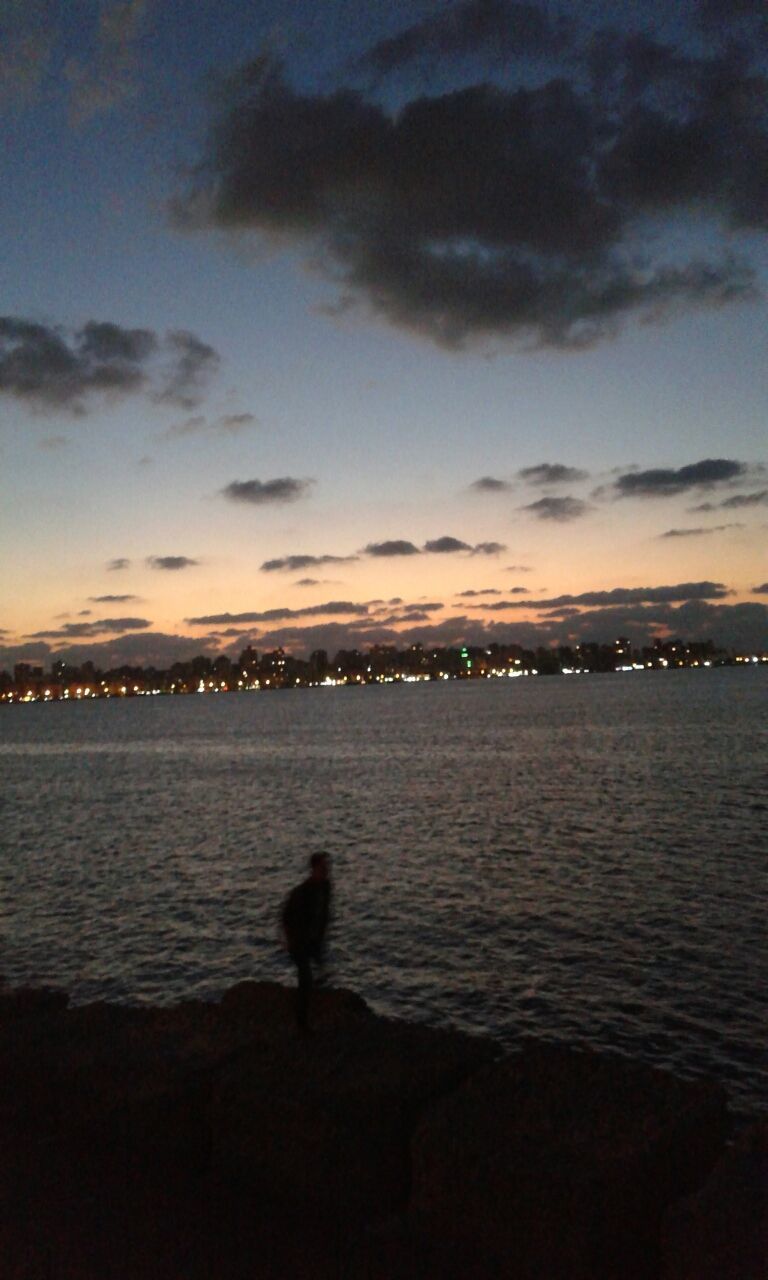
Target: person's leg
(304,970)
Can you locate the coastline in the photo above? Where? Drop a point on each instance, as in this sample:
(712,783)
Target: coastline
(203,1140)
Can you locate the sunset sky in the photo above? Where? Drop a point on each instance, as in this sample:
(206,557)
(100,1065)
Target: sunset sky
(339,322)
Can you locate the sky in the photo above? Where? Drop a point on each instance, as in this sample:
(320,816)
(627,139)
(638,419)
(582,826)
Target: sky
(331,324)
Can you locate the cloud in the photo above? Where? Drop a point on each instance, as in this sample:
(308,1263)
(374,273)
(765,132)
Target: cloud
(120,563)
(738,626)
(484,591)
(112,599)
(668,482)
(735,502)
(489,484)
(110,77)
(97,627)
(743,627)
(191,364)
(395,547)
(762,590)
(499,28)
(561,509)
(147,649)
(50,369)
(698,533)
(171,563)
(512,211)
(488,548)
(328,609)
(53,443)
(260,493)
(518,568)
(551,473)
(294,563)
(681,591)
(234,423)
(445,545)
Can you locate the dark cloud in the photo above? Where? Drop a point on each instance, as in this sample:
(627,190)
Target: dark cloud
(191,365)
(498,28)
(52,443)
(233,423)
(171,563)
(485,591)
(743,626)
(395,547)
(227,424)
(682,591)
(295,563)
(395,619)
(72,630)
(668,482)
(762,590)
(446,544)
(518,568)
(561,509)
(565,611)
(489,484)
(551,473)
(738,626)
(698,533)
(735,502)
(120,563)
(112,599)
(492,212)
(308,582)
(148,649)
(630,595)
(260,493)
(488,548)
(51,369)
(328,609)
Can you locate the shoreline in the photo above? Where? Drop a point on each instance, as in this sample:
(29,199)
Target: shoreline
(202,1140)
(83,694)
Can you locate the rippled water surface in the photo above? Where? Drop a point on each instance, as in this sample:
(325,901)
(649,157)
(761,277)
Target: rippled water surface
(580,859)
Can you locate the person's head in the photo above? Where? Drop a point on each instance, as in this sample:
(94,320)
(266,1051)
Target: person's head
(320,866)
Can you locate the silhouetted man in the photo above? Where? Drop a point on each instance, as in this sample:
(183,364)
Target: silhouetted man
(305,920)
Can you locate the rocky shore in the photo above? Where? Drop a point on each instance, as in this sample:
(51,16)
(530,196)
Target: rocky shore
(212,1142)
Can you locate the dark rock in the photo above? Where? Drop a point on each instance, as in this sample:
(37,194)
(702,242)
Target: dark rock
(721,1232)
(560,1163)
(26,1002)
(327,1118)
(213,1140)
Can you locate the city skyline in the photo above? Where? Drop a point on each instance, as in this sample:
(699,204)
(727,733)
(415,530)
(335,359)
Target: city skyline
(439,324)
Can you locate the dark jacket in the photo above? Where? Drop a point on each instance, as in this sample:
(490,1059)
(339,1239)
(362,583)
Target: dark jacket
(305,916)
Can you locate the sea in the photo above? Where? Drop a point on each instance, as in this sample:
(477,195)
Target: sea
(582,859)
